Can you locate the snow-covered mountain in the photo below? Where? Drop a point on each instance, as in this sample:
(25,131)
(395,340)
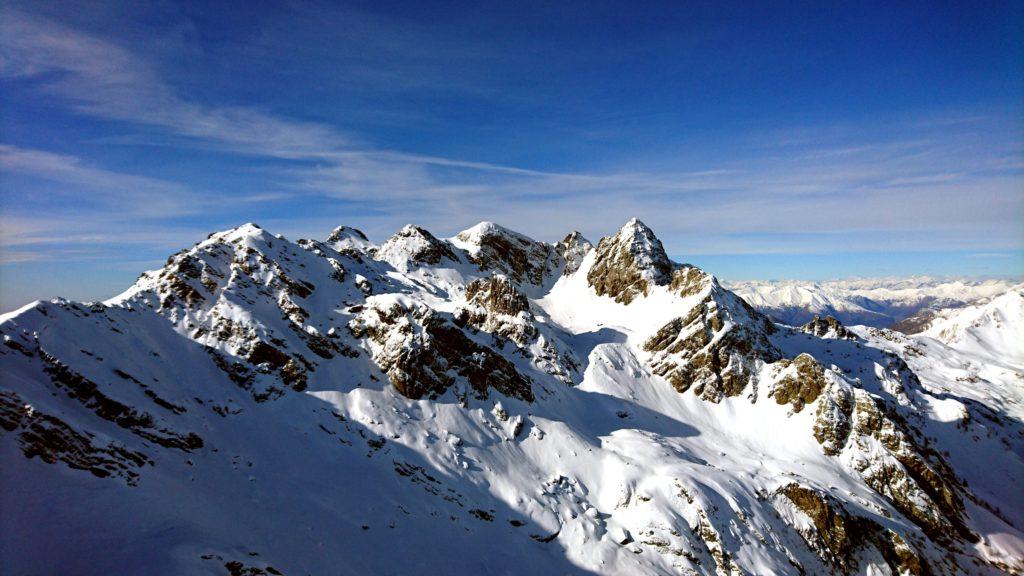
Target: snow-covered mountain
(492,404)
(992,329)
(880,302)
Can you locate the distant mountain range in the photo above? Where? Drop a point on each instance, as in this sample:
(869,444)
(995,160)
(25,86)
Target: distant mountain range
(490,404)
(880,302)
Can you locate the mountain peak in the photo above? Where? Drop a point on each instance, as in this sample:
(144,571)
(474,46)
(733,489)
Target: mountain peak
(635,223)
(575,237)
(498,249)
(500,409)
(347,237)
(414,245)
(573,248)
(342,232)
(247,230)
(629,262)
(635,230)
(484,229)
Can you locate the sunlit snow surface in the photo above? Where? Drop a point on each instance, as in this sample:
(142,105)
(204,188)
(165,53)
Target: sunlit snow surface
(615,474)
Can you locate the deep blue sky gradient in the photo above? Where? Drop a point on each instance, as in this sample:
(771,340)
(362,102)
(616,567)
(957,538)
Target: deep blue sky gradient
(806,140)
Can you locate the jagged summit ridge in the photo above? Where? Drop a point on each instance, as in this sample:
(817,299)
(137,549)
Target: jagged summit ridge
(347,237)
(483,390)
(494,247)
(413,245)
(573,248)
(629,263)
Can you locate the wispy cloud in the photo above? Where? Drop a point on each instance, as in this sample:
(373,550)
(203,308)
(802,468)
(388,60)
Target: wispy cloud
(129,194)
(844,186)
(102,79)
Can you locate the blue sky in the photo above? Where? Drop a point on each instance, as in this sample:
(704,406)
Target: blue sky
(795,141)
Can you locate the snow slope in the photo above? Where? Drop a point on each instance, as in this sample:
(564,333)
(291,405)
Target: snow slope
(490,404)
(992,330)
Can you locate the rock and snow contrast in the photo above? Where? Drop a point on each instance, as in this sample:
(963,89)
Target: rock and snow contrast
(900,303)
(490,404)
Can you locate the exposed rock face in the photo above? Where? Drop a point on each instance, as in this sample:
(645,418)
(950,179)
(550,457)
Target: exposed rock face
(52,440)
(827,327)
(628,263)
(209,286)
(495,305)
(348,237)
(412,246)
(304,356)
(716,349)
(802,381)
(418,349)
(497,294)
(689,280)
(916,479)
(498,249)
(831,536)
(573,248)
(878,444)
(836,535)
(291,371)
(832,423)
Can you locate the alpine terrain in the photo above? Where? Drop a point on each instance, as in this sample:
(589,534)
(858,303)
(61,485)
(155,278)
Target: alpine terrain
(491,404)
(900,303)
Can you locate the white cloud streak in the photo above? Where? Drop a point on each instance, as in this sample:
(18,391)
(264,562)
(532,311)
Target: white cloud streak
(813,188)
(131,195)
(102,79)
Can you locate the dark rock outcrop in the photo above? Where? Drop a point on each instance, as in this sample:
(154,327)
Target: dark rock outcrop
(498,249)
(412,246)
(689,280)
(628,263)
(497,294)
(495,305)
(53,440)
(803,381)
(836,535)
(715,349)
(419,350)
(827,327)
(573,248)
(886,452)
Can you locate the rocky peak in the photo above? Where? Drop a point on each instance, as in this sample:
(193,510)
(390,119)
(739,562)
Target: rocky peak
(827,327)
(200,273)
(498,249)
(498,295)
(717,348)
(495,305)
(247,230)
(413,245)
(629,262)
(573,248)
(210,291)
(348,237)
(420,350)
